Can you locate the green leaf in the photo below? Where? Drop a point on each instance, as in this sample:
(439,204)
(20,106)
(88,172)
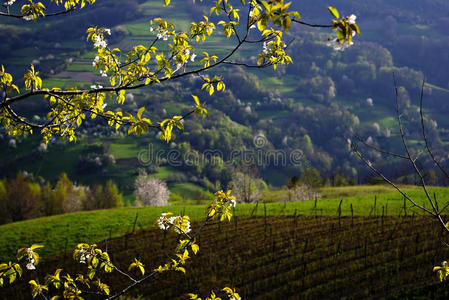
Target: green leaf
(197,101)
(334,12)
(140,112)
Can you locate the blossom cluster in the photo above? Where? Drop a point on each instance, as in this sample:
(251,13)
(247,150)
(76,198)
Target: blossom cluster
(83,256)
(180,224)
(162,33)
(99,41)
(9,2)
(341,45)
(30,265)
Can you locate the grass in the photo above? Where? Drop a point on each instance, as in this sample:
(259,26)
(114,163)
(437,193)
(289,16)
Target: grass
(187,191)
(81,68)
(65,231)
(356,190)
(164,172)
(124,150)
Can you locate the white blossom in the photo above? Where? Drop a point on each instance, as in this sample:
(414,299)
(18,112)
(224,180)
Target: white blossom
(95,61)
(83,256)
(99,42)
(351,19)
(28,18)
(161,224)
(30,265)
(162,34)
(108,31)
(192,57)
(103,73)
(265,48)
(151,191)
(232,203)
(10,2)
(338,45)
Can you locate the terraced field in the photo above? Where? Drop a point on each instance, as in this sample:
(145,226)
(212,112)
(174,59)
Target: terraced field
(292,257)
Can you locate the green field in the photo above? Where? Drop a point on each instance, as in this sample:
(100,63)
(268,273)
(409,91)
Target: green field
(63,232)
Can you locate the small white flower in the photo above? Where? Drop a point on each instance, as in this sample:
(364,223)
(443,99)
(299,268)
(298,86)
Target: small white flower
(10,2)
(338,45)
(232,203)
(28,18)
(103,73)
(252,26)
(250,13)
(151,29)
(351,19)
(265,48)
(161,224)
(108,31)
(95,61)
(192,57)
(104,106)
(31,266)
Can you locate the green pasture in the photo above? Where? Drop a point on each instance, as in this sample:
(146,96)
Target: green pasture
(63,232)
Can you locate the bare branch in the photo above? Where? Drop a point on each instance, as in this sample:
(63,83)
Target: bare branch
(429,151)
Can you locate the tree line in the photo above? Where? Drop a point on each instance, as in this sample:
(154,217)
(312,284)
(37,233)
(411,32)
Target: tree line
(23,197)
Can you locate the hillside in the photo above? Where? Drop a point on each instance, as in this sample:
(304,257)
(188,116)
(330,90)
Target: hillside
(285,106)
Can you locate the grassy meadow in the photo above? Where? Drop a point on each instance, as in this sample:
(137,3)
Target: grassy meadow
(62,232)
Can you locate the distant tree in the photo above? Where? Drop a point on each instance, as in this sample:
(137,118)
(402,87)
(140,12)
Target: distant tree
(93,198)
(403,97)
(246,187)
(312,177)
(48,199)
(112,197)
(303,192)
(307,145)
(150,191)
(3,203)
(298,191)
(431,177)
(57,202)
(23,199)
(339,180)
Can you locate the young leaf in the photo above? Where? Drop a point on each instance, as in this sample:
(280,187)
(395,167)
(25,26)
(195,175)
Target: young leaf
(334,12)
